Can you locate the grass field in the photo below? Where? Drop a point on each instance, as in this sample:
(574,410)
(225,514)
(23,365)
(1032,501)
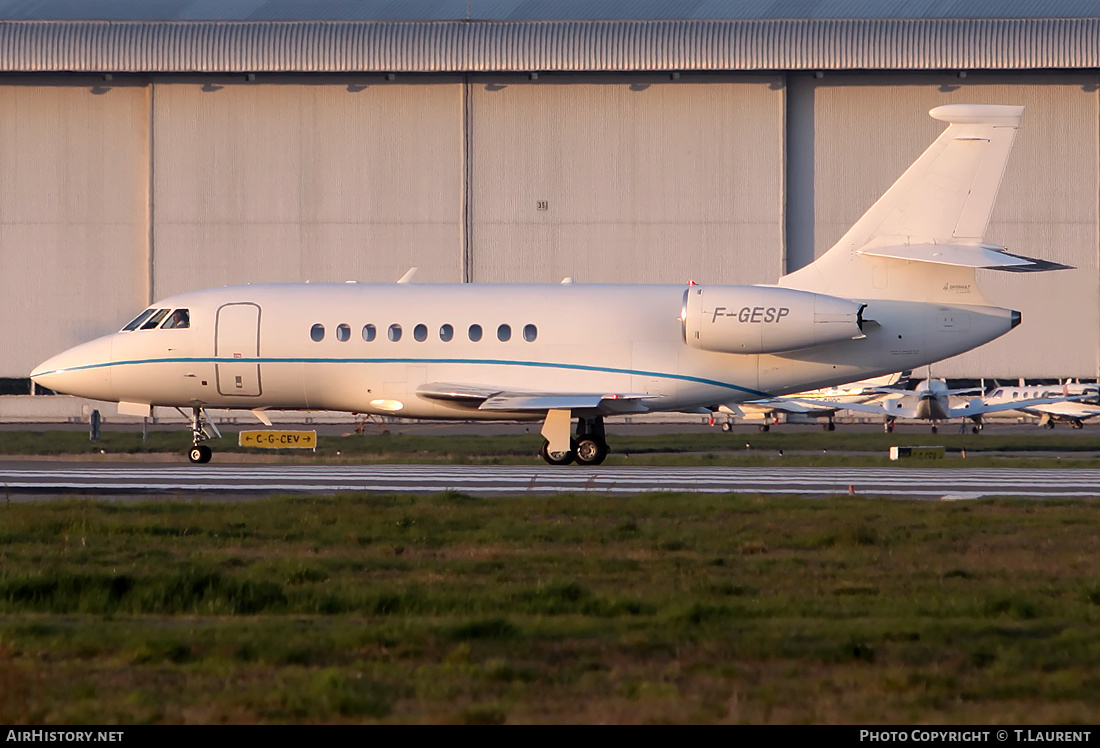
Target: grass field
(646,609)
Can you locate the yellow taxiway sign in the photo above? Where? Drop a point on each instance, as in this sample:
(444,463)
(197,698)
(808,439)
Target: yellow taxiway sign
(279,439)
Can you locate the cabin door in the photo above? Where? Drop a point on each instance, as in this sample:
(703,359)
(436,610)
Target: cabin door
(237,336)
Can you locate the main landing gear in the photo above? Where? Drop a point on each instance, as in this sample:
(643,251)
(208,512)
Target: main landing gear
(588,447)
(200,453)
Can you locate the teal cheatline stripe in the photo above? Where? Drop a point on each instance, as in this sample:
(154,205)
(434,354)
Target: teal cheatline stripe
(479,361)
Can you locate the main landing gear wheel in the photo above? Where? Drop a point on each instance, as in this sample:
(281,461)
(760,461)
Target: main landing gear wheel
(765,427)
(589,451)
(727,427)
(935,429)
(830,426)
(200,454)
(555,458)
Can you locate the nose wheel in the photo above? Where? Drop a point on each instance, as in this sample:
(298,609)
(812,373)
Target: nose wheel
(200,453)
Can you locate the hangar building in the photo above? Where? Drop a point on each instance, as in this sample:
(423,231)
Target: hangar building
(149,147)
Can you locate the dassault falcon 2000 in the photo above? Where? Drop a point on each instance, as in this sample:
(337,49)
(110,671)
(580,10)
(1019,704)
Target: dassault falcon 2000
(896,292)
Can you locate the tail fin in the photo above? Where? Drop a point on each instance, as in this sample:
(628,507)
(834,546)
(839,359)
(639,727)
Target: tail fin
(936,213)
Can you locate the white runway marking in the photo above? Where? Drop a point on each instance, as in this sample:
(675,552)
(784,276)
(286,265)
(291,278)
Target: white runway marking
(69,478)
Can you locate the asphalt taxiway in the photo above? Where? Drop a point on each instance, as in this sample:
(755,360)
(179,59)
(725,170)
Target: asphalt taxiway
(28,480)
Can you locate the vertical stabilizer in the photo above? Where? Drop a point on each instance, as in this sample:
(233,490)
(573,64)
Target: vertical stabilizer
(926,230)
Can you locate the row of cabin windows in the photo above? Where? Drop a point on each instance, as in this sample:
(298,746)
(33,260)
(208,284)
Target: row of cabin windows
(420,333)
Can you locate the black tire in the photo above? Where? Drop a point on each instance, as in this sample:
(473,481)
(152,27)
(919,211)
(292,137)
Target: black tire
(589,451)
(727,427)
(557,459)
(200,454)
(765,427)
(935,429)
(830,426)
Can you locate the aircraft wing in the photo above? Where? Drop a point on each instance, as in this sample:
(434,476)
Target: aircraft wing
(760,408)
(1066,409)
(889,408)
(977,407)
(480,397)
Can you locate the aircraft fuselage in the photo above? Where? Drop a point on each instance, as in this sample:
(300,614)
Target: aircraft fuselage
(367,348)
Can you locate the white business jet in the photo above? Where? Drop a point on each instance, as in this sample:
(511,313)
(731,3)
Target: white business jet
(806,407)
(896,292)
(932,402)
(1068,408)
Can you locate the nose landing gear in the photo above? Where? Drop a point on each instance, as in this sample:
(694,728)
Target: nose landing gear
(200,453)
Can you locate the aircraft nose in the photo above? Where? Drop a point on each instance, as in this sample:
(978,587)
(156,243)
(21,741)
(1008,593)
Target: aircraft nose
(84,371)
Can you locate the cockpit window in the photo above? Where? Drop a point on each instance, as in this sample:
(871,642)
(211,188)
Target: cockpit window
(180,319)
(138,320)
(155,319)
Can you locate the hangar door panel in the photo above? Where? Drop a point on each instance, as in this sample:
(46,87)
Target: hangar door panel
(238,337)
(310,179)
(73,195)
(630,179)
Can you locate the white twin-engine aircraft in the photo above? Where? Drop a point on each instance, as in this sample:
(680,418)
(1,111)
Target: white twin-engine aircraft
(897,291)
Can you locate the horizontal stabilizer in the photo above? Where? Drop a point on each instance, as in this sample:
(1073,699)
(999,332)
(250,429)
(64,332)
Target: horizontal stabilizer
(986,256)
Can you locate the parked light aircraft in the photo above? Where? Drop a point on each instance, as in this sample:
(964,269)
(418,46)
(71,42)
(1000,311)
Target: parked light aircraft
(933,404)
(1072,411)
(804,406)
(896,292)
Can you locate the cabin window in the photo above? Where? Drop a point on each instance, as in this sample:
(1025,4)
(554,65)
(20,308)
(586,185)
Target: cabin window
(343,333)
(504,333)
(530,332)
(180,320)
(369,333)
(446,333)
(420,333)
(317,333)
(138,320)
(155,319)
(395,332)
(475,333)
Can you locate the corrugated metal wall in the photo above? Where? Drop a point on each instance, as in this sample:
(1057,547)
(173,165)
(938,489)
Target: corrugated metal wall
(73,198)
(626,181)
(558,45)
(867,129)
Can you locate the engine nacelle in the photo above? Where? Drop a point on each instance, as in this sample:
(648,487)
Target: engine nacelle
(766,319)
